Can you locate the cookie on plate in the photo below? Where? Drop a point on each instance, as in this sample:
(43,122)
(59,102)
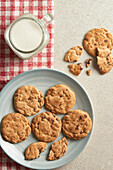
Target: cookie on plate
(76,68)
(58,149)
(73,54)
(33,151)
(28,100)
(76,124)
(46,126)
(60,99)
(104,60)
(15,127)
(97,38)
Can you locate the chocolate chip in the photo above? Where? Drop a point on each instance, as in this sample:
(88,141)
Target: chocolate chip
(86,39)
(80,48)
(85,116)
(77,127)
(61,95)
(80,132)
(105,41)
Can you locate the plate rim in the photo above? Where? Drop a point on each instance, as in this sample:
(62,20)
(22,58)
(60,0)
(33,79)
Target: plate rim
(90,101)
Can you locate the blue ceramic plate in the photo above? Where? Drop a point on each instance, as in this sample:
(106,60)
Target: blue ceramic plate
(43,79)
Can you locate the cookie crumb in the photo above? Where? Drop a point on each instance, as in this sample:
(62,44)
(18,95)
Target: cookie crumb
(88,72)
(73,54)
(76,68)
(88,62)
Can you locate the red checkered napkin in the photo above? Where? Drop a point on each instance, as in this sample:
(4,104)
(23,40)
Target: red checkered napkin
(10,64)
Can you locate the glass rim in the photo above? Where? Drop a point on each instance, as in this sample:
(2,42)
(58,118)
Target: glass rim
(37,22)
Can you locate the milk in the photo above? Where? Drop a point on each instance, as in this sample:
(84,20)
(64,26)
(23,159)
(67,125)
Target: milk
(26,35)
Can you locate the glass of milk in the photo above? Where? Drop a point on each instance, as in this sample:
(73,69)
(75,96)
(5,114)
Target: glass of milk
(27,35)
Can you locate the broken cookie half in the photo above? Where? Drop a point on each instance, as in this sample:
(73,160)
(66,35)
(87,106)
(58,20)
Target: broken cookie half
(76,68)
(58,149)
(73,54)
(104,60)
(33,151)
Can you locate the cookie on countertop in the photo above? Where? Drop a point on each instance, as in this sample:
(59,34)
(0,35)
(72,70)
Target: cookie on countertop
(97,38)
(33,151)
(104,60)
(76,124)
(73,54)
(58,149)
(60,99)
(15,127)
(76,68)
(46,126)
(28,100)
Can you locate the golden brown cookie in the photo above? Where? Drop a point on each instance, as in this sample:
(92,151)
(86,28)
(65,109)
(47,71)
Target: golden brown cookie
(76,124)
(88,62)
(60,99)
(46,126)
(15,127)
(33,151)
(97,38)
(105,64)
(76,68)
(73,54)
(28,100)
(58,149)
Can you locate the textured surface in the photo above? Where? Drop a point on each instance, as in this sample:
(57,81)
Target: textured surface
(58,149)
(76,124)
(75,20)
(15,128)
(60,99)
(46,126)
(28,100)
(43,80)
(33,151)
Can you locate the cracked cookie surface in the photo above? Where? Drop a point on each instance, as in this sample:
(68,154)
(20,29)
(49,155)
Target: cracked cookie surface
(60,99)
(76,124)
(104,60)
(76,68)
(15,127)
(58,149)
(28,100)
(97,38)
(33,151)
(73,54)
(46,126)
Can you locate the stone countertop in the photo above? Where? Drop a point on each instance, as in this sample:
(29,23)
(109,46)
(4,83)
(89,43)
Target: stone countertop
(73,19)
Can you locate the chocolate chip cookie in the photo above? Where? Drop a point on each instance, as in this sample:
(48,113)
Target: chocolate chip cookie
(97,38)
(28,100)
(15,127)
(60,99)
(33,151)
(58,149)
(73,54)
(46,126)
(76,124)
